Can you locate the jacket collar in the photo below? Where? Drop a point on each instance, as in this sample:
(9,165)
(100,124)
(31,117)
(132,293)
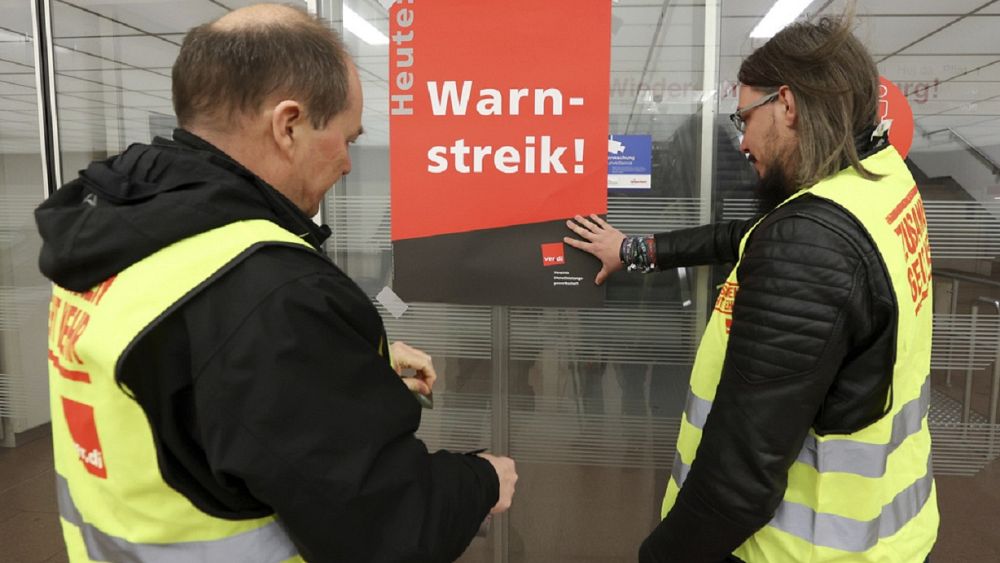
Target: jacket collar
(288,214)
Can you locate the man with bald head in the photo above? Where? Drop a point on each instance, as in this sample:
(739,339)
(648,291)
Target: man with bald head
(221,390)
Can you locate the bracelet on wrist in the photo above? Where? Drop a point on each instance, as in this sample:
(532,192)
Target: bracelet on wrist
(638,253)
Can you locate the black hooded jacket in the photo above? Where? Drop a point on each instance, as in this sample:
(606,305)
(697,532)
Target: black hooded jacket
(265,392)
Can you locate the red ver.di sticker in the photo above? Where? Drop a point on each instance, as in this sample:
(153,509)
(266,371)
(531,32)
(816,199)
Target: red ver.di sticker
(83,432)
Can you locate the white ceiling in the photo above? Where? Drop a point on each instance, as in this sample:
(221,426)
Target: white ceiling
(113,64)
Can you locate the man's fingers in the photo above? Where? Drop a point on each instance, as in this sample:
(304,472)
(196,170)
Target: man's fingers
(578,229)
(601,276)
(412,385)
(428,376)
(576,243)
(604,224)
(410,352)
(425,372)
(586,223)
(408,357)
(416,385)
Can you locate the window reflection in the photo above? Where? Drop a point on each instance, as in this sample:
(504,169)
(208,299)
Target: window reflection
(23,291)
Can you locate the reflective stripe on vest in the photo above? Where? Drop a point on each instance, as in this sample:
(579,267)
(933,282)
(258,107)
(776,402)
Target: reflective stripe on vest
(846,493)
(266,544)
(841,455)
(115,504)
(841,532)
(848,534)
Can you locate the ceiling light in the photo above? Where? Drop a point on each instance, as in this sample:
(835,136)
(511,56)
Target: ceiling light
(780,15)
(365,31)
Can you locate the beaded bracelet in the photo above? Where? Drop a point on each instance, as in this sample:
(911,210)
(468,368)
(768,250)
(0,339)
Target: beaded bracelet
(638,253)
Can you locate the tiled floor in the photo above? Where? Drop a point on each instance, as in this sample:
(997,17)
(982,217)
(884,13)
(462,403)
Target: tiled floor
(29,521)
(29,525)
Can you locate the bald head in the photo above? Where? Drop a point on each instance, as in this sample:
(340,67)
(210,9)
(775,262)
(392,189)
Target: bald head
(231,68)
(260,15)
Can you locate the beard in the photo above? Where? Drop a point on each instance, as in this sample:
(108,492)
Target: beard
(776,185)
(772,189)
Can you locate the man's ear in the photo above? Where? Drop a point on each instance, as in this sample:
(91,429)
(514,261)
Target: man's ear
(286,118)
(786,101)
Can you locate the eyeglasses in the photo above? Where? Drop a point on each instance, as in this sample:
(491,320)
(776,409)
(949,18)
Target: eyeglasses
(737,116)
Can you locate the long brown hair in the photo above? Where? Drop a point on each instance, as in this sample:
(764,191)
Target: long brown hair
(835,83)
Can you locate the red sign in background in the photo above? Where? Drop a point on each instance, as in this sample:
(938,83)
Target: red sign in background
(539,71)
(892,104)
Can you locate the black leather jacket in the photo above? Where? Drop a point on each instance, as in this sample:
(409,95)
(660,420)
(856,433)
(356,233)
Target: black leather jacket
(812,345)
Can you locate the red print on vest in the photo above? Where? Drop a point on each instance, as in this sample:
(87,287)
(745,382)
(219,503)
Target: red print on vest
(909,223)
(724,303)
(83,431)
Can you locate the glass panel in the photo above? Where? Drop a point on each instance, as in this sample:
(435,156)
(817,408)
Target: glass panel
(23,291)
(952,82)
(459,337)
(595,395)
(112,64)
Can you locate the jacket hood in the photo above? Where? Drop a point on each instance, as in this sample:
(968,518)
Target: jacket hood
(121,210)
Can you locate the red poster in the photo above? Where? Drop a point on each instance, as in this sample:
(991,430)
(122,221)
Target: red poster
(498,132)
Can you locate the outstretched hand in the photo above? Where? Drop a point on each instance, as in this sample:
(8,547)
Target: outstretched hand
(600,239)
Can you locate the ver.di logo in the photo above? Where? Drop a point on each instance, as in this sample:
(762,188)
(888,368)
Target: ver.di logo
(553,254)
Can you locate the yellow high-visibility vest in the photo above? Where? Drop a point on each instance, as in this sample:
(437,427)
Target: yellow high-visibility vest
(868,496)
(113,502)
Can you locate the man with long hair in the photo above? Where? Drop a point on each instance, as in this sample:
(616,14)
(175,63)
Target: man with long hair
(804,437)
